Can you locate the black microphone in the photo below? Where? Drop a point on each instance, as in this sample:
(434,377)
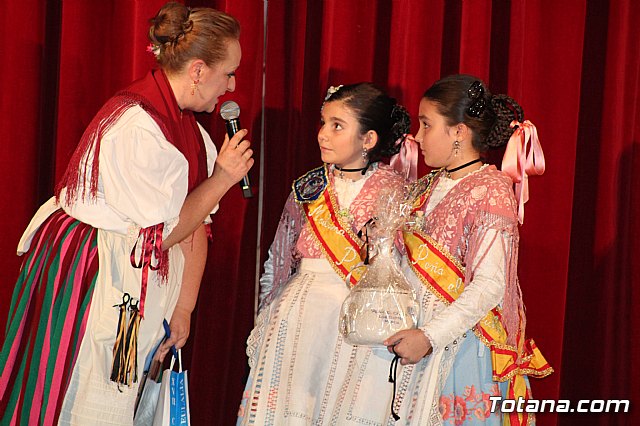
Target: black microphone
(230,112)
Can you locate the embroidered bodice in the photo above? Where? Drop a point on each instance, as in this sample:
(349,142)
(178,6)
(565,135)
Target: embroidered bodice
(474,218)
(293,239)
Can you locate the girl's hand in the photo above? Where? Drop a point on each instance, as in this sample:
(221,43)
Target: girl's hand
(410,345)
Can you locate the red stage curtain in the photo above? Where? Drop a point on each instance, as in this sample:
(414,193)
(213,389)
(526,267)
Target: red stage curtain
(574,66)
(22,120)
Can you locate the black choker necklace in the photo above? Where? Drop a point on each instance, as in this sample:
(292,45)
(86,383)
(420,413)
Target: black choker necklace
(455,169)
(363,170)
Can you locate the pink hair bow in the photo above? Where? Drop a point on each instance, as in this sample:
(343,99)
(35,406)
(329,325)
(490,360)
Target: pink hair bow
(406,161)
(520,160)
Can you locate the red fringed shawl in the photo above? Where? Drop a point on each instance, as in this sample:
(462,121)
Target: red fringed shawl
(153,94)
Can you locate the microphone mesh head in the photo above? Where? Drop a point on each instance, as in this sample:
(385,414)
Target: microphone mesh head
(229,110)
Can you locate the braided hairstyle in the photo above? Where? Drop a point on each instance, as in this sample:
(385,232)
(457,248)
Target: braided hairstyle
(179,34)
(376,111)
(466,99)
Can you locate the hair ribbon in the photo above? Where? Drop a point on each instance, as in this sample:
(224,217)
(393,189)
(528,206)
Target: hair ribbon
(523,157)
(406,160)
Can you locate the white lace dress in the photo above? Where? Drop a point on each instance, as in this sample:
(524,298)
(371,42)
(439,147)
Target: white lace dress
(303,373)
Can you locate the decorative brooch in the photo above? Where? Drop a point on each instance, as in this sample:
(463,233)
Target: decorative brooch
(310,186)
(415,221)
(331,90)
(345,214)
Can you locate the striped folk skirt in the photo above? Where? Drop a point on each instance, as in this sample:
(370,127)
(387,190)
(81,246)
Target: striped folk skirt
(47,320)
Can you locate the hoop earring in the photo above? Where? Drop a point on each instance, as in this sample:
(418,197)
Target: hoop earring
(456,148)
(194,87)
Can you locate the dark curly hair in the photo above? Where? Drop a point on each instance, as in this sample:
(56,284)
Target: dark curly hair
(376,111)
(466,99)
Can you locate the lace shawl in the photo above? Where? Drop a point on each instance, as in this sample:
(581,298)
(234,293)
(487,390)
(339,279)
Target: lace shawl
(293,239)
(482,202)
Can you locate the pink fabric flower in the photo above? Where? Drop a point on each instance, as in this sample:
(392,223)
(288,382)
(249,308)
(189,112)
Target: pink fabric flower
(479,192)
(445,407)
(480,413)
(487,405)
(495,390)
(460,410)
(470,393)
(152,48)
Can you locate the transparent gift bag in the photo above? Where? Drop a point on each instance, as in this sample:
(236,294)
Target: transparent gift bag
(382,302)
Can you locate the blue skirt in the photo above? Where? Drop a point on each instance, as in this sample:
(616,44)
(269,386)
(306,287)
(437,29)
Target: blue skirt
(465,397)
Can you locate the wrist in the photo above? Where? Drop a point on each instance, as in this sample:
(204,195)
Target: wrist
(428,334)
(222,181)
(182,310)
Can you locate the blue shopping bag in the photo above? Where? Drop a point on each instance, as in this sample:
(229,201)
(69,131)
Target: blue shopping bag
(173,402)
(179,397)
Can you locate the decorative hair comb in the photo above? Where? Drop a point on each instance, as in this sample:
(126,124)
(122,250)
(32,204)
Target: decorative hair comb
(476,94)
(331,90)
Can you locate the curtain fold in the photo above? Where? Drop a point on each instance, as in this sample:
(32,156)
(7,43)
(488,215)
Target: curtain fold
(574,66)
(545,64)
(21,102)
(602,327)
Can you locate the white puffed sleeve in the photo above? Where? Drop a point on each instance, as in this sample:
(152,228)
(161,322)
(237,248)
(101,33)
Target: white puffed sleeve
(482,294)
(144,177)
(212,155)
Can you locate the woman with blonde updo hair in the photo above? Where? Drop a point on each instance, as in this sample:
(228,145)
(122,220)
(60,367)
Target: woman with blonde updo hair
(121,247)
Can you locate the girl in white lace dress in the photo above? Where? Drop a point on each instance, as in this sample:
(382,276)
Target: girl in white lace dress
(299,362)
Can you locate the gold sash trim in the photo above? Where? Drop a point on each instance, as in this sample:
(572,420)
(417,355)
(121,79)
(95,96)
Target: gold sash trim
(443,275)
(340,245)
